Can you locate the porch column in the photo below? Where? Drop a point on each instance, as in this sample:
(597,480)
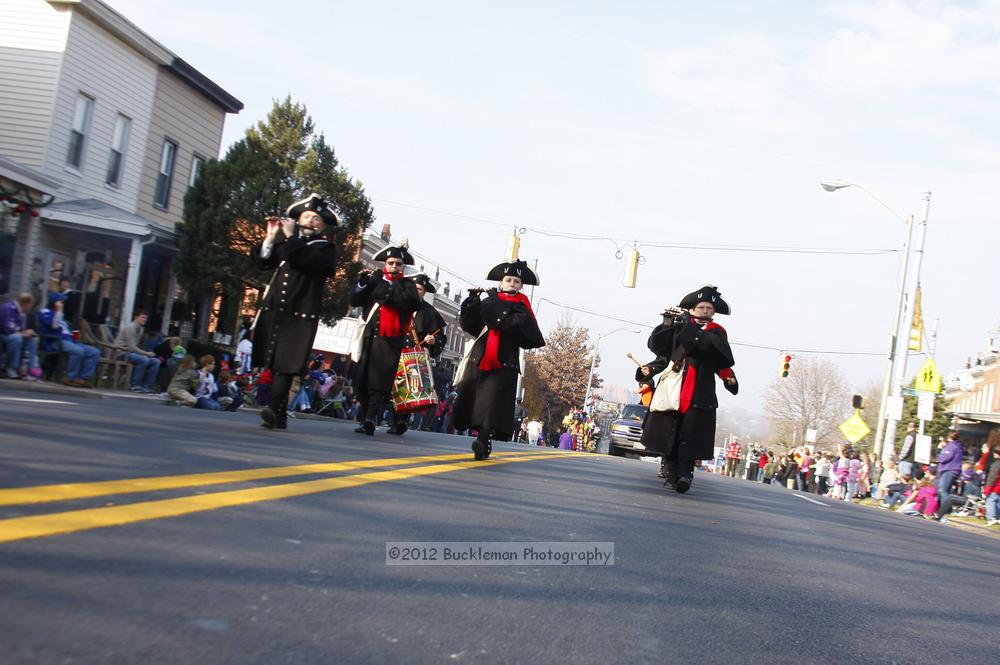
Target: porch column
(131,281)
(168,306)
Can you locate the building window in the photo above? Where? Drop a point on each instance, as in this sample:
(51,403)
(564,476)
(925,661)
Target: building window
(166,176)
(116,160)
(78,133)
(197,164)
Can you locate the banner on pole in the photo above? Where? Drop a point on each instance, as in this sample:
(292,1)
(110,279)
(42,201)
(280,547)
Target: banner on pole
(917,329)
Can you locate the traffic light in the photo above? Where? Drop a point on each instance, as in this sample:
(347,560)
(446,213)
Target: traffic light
(858,402)
(786,362)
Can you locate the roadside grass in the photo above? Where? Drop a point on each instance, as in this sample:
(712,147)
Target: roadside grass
(971,521)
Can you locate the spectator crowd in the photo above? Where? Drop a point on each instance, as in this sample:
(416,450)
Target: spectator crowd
(961,480)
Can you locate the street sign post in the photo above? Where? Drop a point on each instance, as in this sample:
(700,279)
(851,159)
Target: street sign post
(855,428)
(928,377)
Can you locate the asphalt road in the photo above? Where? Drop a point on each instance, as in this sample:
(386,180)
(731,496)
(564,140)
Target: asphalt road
(260,567)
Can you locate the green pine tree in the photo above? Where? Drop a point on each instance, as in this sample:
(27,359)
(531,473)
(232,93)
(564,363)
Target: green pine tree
(935,428)
(276,163)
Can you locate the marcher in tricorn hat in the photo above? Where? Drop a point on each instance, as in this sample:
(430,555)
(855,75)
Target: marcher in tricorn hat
(504,324)
(389,300)
(299,247)
(691,337)
(428,323)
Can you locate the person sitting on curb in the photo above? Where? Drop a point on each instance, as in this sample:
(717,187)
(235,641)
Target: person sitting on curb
(185,383)
(230,396)
(207,388)
(922,502)
(82,357)
(145,364)
(17,339)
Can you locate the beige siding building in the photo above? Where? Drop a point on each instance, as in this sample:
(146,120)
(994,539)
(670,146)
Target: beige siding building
(117,125)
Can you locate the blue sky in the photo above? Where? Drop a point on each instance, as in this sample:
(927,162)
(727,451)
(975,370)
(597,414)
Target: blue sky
(674,122)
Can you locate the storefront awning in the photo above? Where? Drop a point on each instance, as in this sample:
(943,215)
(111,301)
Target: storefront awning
(99,217)
(982,417)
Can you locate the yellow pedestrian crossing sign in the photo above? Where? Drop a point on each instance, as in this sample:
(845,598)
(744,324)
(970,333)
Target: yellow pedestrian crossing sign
(855,428)
(928,377)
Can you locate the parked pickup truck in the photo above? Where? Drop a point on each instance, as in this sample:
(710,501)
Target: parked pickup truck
(627,430)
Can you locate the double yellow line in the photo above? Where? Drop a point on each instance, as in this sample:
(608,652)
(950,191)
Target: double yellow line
(39,526)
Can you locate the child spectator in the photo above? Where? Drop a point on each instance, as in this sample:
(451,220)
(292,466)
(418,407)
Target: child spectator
(244,353)
(853,475)
(230,396)
(896,493)
(207,389)
(924,501)
(769,470)
(822,474)
(864,476)
(185,383)
(991,490)
(889,477)
(264,387)
(842,472)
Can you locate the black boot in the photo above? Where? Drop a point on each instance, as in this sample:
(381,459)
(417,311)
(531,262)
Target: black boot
(398,427)
(270,420)
(367,427)
(480,448)
(663,468)
(683,484)
(489,449)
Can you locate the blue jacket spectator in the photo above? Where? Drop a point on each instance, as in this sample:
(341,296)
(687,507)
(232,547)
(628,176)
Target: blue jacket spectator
(17,339)
(82,357)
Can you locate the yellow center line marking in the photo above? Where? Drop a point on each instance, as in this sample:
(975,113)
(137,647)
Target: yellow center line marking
(39,526)
(65,492)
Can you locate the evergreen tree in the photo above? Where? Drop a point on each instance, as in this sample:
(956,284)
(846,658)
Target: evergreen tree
(276,163)
(935,428)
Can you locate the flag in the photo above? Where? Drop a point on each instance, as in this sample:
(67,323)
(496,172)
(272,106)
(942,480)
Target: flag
(917,330)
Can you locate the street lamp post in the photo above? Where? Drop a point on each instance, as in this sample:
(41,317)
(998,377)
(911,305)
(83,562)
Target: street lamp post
(903,334)
(894,371)
(593,362)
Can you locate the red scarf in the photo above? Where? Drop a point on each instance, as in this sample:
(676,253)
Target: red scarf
(490,360)
(388,317)
(691,373)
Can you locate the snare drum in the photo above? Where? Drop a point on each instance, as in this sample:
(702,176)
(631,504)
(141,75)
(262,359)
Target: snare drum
(413,389)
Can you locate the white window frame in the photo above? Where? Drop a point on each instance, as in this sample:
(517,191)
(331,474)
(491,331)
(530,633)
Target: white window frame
(116,156)
(83,112)
(196,160)
(165,176)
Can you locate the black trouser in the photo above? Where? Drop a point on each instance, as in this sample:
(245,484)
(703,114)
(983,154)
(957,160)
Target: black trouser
(280,385)
(680,461)
(374,406)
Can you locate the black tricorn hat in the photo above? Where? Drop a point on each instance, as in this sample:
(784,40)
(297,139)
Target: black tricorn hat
(424,281)
(317,204)
(394,252)
(517,268)
(709,294)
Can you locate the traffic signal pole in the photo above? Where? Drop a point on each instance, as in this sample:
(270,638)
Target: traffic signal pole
(905,324)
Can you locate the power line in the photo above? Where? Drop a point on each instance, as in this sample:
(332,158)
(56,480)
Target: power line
(621,243)
(745,344)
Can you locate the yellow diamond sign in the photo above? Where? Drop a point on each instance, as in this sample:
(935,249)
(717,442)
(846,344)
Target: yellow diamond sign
(928,377)
(855,428)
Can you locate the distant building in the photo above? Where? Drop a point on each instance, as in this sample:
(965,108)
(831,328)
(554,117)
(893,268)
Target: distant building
(111,128)
(974,393)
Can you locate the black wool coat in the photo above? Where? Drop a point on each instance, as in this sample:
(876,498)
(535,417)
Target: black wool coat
(289,316)
(706,352)
(486,399)
(428,320)
(380,355)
